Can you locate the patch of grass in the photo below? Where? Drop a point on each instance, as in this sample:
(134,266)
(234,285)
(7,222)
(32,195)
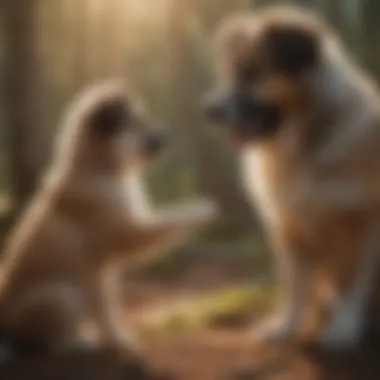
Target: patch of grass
(232,307)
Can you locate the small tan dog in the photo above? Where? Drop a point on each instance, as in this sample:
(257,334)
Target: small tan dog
(306,121)
(91,213)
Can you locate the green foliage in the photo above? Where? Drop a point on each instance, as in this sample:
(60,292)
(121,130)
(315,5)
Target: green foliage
(226,308)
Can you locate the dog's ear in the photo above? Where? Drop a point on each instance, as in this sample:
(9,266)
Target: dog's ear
(294,49)
(109,117)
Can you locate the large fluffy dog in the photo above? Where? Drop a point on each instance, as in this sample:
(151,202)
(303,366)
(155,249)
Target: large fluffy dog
(306,121)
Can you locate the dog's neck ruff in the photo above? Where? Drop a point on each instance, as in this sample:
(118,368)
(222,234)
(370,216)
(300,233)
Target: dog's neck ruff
(343,99)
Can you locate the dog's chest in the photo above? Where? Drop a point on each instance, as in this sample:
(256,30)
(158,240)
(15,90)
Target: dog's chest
(269,183)
(136,198)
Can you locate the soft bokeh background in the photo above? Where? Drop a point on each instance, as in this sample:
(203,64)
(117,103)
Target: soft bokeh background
(49,49)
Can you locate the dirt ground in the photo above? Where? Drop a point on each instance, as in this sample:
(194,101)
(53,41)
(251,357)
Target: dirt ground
(226,357)
(220,354)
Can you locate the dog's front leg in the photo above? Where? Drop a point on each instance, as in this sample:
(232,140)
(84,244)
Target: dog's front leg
(284,324)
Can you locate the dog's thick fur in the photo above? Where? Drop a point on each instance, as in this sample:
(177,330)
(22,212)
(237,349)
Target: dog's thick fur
(60,266)
(307,123)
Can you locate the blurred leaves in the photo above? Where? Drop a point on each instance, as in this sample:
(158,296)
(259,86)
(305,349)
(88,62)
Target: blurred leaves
(226,308)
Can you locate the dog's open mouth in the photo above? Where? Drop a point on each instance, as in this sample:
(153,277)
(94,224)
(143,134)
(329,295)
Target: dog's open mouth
(247,119)
(254,131)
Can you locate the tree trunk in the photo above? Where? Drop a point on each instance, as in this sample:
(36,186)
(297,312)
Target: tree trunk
(112,38)
(80,41)
(334,13)
(306,3)
(371,30)
(213,178)
(23,92)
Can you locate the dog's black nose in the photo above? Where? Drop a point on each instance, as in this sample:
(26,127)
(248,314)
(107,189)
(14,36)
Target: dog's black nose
(155,143)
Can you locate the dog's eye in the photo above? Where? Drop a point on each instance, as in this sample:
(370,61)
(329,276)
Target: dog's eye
(110,117)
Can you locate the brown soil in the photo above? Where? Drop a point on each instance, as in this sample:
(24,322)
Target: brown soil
(203,355)
(231,356)
(219,354)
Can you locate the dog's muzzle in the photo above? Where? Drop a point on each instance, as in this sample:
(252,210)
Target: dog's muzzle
(247,116)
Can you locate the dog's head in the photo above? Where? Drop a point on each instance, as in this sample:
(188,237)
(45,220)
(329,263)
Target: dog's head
(108,128)
(265,63)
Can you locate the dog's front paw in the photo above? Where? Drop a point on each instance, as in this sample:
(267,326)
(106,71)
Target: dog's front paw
(129,341)
(275,329)
(207,209)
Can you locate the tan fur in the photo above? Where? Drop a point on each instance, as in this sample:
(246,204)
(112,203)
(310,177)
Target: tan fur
(315,183)
(90,215)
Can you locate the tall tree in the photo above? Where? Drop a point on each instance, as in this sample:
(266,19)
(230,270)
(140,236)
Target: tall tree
(370,26)
(213,178)
(80,41)
(26,130)
(111,37)
(306,3)
(334,13)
